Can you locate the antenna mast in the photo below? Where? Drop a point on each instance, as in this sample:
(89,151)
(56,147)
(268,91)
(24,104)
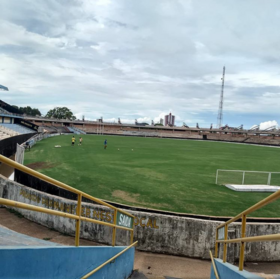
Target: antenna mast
(220,113)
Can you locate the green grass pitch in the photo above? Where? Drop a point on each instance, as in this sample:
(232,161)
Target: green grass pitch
(167,174)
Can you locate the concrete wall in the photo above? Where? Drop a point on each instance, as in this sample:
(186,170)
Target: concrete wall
(8,146)
(155,232)
(226,270)
(64,262)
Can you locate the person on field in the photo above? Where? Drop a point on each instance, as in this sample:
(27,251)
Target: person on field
(80,141)
(27,145)
(73,140)
(105,144)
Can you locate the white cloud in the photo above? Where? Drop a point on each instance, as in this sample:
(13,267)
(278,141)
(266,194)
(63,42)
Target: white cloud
(138,59)
(268,124)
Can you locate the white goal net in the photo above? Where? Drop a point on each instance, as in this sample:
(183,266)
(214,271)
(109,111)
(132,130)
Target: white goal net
(242,177)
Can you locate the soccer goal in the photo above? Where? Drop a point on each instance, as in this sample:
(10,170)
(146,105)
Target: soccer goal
(242,177)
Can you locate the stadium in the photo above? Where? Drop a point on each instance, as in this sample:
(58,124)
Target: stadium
(167,177)
(139,139)
(167,160)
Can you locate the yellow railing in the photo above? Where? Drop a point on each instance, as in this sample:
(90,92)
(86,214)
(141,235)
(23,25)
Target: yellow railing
(76,216)
(113,258)
(223,229)
(214,266)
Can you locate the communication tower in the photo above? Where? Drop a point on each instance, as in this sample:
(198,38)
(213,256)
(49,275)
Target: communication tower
(220,113)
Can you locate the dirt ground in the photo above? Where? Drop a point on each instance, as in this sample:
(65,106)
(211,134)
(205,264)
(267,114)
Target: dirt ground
(5,170)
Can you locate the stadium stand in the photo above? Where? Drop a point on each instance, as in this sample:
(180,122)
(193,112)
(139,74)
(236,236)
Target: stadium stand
(76,130)
(6,132)
(140,134)
(62,129)
(48,129)
(55,129)
(9,109)
(17,128)
(3,135)
(3,111)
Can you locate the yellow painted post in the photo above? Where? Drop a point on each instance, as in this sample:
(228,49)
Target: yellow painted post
(225,244)
(216,245)
(242,247)
(214,266)
(114,229)
(132,232)
(78,222)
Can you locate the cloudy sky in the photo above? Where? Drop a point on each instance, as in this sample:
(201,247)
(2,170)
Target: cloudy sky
(143,59)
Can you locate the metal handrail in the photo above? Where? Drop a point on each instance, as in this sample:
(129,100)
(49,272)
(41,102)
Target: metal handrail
(243,239)
(214,265)
(80,194)
(269,237)
(254,207)
(22,205)
(113,258)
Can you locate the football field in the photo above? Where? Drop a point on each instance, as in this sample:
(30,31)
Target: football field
(167,174)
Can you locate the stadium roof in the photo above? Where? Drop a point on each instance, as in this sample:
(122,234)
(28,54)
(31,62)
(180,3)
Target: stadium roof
(2,87)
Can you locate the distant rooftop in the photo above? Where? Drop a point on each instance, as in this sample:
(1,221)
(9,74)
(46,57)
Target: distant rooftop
(2,87)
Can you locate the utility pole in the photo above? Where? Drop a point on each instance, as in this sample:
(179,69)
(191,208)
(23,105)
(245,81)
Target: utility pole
(220,113)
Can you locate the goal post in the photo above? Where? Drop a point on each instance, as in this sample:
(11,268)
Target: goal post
(244,177)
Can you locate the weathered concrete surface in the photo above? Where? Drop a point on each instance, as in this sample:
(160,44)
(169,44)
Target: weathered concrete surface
(226,270)
(62,262)
(11,238)
(19,224)
(155,232)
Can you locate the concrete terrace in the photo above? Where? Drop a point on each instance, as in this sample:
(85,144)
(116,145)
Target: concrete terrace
(146,265)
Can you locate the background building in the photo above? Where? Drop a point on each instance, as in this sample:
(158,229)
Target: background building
(169,120)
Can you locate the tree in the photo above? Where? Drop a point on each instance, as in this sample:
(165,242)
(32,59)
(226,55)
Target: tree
(28,110)
(61,113)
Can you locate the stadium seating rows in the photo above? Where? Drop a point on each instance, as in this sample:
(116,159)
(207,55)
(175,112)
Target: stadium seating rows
(76,130)
(3,111)
(6,132)
(54,129)
(17,128)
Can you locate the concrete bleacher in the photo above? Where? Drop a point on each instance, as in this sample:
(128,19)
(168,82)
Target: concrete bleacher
(60,129)
(4,135)
(12,238)
(6,132)
(49,129)
(141,134)
(18,129)
(4,111)
(76,130)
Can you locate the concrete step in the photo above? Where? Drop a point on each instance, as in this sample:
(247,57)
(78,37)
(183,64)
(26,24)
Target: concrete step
(11,238)
(268,276)
(139,275)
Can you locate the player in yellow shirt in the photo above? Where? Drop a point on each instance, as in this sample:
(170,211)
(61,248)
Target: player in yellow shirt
(73,140)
